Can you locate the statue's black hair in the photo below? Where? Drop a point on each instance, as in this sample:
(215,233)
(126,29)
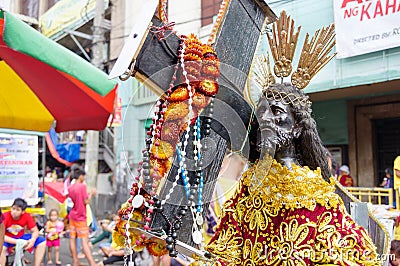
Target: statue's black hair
(309,149)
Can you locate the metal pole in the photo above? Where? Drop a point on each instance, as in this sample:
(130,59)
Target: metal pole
(44,145)
(98,35)
(43,161)
(92,140)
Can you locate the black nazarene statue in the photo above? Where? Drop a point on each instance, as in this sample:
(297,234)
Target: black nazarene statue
(285,210)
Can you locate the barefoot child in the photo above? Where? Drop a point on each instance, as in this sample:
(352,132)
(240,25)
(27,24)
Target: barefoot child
(54,228)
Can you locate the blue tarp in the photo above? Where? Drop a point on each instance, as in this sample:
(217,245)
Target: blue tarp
(67,151)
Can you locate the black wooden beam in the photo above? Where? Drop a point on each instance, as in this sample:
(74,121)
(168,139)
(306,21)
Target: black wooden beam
(236,42)
(237,39)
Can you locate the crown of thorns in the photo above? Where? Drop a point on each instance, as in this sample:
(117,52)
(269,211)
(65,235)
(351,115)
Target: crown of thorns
(287,98)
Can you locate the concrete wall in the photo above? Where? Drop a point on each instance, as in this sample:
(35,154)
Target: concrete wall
(332,126)
(187,16)
(119,30)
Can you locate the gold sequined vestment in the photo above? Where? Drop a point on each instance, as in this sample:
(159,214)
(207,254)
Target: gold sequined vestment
(293,217)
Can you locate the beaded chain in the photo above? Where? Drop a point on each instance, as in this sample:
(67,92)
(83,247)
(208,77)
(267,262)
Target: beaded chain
(182,171)
(143,176)
(197,227)
(175,112)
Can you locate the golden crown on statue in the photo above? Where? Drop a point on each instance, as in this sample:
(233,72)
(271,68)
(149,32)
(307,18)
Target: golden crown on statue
(315,54)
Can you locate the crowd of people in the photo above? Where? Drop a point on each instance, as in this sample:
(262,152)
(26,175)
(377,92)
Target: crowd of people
(19,231)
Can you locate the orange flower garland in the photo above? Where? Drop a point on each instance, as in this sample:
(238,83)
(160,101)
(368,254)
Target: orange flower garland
(201,70)
(176,110)
(163,150)
(180,94)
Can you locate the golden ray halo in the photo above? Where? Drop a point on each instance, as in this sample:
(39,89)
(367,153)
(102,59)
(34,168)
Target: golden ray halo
(315,53)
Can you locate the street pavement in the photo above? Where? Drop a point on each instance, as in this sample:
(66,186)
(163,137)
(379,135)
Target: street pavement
(65,255)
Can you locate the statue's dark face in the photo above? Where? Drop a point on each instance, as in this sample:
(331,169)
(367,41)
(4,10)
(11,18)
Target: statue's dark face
(276,124)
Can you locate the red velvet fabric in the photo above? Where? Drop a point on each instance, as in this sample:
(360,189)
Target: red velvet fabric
(250,232)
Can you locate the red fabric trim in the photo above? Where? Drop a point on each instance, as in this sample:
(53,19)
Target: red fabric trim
(1,30)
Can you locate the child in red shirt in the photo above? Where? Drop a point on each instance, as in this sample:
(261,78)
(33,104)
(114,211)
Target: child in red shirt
(344,177)
(15,222)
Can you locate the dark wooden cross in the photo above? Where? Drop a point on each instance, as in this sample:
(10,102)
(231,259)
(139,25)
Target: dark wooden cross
(235,44)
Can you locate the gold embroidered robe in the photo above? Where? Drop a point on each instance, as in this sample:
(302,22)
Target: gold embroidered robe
(292,218)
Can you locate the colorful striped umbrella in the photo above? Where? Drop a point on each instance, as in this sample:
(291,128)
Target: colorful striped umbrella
(42,82)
